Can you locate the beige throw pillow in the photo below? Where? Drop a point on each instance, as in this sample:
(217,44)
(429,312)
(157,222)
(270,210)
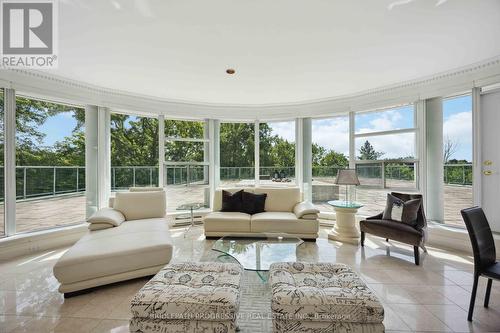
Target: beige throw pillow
(141,205)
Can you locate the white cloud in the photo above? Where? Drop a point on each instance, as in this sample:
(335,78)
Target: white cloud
(286,130)
(383,121)
(458,128)
(393,146)
(332,134)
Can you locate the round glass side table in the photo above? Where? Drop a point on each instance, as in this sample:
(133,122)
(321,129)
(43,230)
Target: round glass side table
(345,229)
(191,207)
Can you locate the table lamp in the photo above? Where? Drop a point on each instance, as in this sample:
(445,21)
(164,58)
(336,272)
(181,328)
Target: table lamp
(347,177)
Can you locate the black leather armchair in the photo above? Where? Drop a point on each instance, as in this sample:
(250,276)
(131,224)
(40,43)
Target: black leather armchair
(413,235)
(483,247)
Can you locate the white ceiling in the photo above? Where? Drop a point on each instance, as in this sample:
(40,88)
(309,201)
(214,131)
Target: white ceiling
(284,51)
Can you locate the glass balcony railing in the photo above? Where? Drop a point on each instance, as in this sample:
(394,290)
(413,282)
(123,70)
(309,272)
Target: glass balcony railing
(40,181)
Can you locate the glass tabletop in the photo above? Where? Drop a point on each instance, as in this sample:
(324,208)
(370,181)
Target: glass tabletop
(189,206)
(257,254)
(345,204)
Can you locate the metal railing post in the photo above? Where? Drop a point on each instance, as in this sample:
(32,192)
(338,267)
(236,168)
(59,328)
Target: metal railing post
(77,179)
(133,176)
(383,175)
(54,182)
(24,183)
(463,174)
(113,185)
(150,176)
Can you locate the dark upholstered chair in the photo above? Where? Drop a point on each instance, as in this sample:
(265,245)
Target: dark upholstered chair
(483,247)
(401,232)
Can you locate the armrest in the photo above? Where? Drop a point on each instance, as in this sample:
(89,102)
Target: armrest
(304,208)
(107,216)
(376,217)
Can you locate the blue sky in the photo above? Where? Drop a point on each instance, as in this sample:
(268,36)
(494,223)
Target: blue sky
(457,114)
(57,127)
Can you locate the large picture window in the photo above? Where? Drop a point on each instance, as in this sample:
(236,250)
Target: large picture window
(277,153)
(186,163)
(237,154)
(134,151)
(385,147)
(330,152)
(457,157)
(50,164)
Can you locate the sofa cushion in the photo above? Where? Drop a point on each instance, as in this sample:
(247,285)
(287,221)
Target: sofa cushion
(281,199)
(217,200)
(109,216)
(393,230)
(282,222)
(141,205)
(99,226)
(131,246)
(252,203)
(400,210)
(305,208)
(227,222)
(232,202)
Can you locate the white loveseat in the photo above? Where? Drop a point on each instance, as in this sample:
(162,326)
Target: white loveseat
(140,244)
(284,213)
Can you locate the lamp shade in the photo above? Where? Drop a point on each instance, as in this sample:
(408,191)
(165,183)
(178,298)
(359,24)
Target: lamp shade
(347,177)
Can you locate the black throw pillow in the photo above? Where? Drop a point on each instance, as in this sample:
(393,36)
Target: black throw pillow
(402,211)
(253,203)
(231,202)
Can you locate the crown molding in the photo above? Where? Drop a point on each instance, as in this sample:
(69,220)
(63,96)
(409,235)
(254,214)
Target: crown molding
(48,86)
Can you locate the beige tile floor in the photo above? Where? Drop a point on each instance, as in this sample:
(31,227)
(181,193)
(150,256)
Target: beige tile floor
(431,297)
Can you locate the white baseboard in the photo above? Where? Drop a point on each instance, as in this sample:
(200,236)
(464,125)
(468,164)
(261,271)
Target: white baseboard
(33,242)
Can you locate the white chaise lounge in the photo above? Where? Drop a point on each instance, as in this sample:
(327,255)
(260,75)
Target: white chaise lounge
(140,246)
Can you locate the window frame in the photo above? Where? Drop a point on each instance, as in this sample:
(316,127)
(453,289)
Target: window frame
(415,160)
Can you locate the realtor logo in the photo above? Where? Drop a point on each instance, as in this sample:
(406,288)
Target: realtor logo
(29,33)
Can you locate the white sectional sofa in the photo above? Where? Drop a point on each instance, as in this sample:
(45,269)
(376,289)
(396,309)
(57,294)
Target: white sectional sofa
(139,246)
(284,213)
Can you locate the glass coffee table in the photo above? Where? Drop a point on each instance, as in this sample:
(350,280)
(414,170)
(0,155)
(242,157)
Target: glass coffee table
(259,252)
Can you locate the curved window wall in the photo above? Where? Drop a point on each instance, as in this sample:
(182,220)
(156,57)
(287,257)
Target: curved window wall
(50,157)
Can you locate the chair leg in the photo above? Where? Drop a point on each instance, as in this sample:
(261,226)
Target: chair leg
(417,255)
(488,291)
(362,238)
(473,296)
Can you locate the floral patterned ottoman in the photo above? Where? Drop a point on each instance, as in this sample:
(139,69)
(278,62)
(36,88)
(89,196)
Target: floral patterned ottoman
(189,297)
(322,297)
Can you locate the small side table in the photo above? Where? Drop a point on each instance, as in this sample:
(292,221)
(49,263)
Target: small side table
(345,226)
(191,207)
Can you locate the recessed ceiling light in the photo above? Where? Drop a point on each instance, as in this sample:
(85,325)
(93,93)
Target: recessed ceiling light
(230,71)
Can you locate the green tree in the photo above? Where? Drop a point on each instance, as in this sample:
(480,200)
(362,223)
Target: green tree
(332,158)
(237,145)
(367,152)
(134,141)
